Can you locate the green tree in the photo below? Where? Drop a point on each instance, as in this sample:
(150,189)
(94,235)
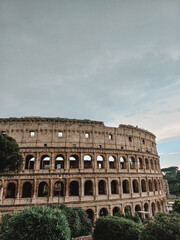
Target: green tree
(10,156)
(164,226)
(86,225)
(176,206)
(36,223)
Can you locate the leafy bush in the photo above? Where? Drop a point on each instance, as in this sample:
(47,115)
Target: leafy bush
(176,206)
(164,226)
(128,215)
(73,220)
(36,223)
(86,225)
(10,156)
(116,228)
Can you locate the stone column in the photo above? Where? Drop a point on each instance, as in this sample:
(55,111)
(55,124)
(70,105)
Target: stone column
(108,187)
(81,161)
(81,188)
(95,188)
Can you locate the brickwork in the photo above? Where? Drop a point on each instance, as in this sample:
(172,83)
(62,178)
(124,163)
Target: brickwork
(84,164)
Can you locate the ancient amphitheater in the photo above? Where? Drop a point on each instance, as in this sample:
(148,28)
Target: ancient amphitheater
(84,164)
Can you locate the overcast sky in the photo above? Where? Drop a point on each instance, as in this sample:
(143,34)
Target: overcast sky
(116,61)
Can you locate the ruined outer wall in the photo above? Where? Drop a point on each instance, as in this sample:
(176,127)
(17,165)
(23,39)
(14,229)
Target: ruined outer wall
(66,137)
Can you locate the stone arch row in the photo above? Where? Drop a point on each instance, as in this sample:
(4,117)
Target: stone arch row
(59,187)
(145,210)
(113,162)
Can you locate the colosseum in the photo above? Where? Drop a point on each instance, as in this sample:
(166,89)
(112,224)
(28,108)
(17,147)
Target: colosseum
(83,163)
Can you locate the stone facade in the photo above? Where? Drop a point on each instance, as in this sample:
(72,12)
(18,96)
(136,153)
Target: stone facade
(83,163)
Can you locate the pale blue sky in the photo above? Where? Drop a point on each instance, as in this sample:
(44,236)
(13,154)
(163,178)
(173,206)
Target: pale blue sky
(116,61)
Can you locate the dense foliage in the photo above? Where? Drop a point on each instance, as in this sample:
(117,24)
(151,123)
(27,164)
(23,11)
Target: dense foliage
(164,226)
(86,225)
(10,156)
(36,223)
(116,228)
(176,206)
(172,174)
(129,215)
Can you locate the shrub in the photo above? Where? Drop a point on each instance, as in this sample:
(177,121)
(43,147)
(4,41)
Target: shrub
(176,206)
(129,215)
(164,226)
(36,223)
(115,228)
(86,225)
(73,220)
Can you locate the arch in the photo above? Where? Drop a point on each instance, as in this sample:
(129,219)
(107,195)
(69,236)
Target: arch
(11,190)
(146,209)
(138,209)
(158,206)
(43,189)
(153,209)
(132,163)
(114,187)
(59,162)
(146,164)
(58,189)
(88,188)
(143,185)
(150,185)
(159,184)
(135,186)
(45,162)
(152,164)
(27,190)
(123,163)
(140,163)
(155,185)
(100,162)
(74,188)
(125,186)
(90,214)
(103,212)
(102,187)
(127,209)
(87,161)
(116,210)
(74,161)
(112,162)
(29,162)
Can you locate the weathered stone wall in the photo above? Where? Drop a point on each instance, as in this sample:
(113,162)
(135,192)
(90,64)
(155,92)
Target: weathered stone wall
(102,169)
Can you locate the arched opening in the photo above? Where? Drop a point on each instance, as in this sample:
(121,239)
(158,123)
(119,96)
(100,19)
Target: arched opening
(114,187)
(138,209)
(127,209)
(103,212)
(27,190)
(122,162)
(146,164)
(11,190)
(45,162)
(132,163)
(146,209)
(43,189)
(143,185)
(153,209)
(58,189)
(74,161)
(74,188)
(29,162)
(158,206)
(116,210)
(155,185)
(87,161)
(150,185)
(88,189)
(59,162)
(140,163)
(159,184)
(152,164)
(125,186)
(155,165)
(112,162)
(102,187)
(90,214)
(135,186)
(100,162)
